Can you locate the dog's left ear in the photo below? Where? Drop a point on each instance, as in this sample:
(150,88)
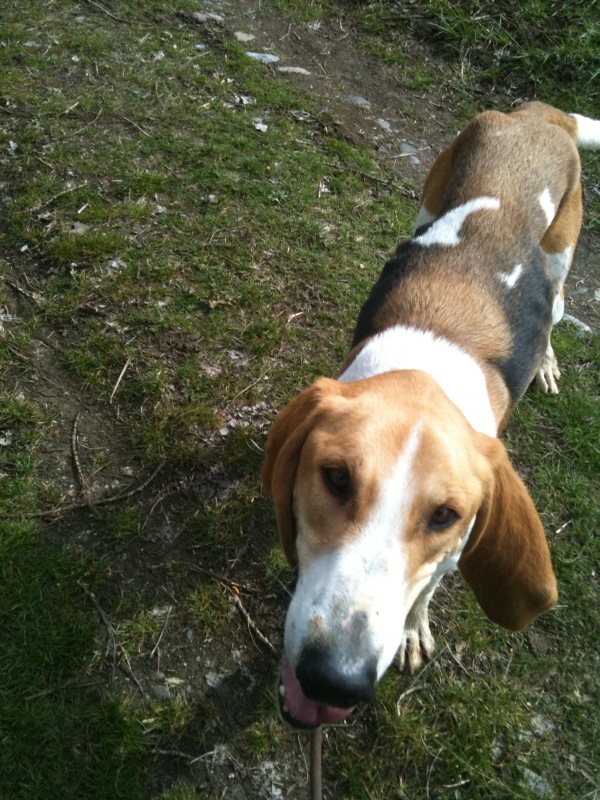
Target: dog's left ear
(284,445)
(506,560)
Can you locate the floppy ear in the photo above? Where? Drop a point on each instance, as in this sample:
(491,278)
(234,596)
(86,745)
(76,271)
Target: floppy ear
(506,560)
(284,445)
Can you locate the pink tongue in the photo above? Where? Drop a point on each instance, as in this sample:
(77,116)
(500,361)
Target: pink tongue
(301,708)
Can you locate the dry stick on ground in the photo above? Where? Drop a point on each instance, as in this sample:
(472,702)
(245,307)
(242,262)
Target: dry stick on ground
(227,584)
(251,624)
(83,486)
(102,501)
(106,11)
(85,127)
(126,668)
(33,297)
(316,783)
(119,379)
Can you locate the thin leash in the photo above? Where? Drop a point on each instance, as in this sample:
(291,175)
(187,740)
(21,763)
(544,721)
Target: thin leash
(316,778)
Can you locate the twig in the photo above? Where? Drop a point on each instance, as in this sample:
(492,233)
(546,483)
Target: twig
(120,378)
(75,456)
(110,631)
(126,668)
(403,190)
(115,498)
(39,204)
(228,585)
(176,754)
(33,297)
(69,109)
(251,624)
(106,11)
(219,578)
(66,684)
(429,114)
(430,770)
(85,127)
(155,648)
(316,741)
(83,487)
(135,125)
(250,385)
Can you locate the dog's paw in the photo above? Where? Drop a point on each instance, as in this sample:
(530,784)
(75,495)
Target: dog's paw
(548,373)
(417,644)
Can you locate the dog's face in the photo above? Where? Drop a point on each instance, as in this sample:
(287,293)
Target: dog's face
(377,486)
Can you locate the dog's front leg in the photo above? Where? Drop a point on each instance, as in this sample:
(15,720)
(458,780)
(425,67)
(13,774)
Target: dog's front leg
(548,373)
(417,640)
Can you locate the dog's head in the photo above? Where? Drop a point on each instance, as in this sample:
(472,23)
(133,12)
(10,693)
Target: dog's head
(378,486)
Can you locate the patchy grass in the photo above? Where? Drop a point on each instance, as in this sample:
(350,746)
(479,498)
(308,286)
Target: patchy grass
(174,275)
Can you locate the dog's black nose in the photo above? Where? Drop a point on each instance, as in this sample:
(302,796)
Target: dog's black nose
(340,682)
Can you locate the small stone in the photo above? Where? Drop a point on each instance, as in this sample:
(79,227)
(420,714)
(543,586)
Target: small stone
(409,151)
(296,70)
(79,228)
(358,100)
(383,123)
(542,725)
(540,786)
(161,692)
(242,37)
(264,58)
(208,17)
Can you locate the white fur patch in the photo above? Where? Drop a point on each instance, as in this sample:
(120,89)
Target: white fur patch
(511,278)
(424,217)
(366,579)
(446,229)
(588,132)
(548,207)
(457,374)
(558,268)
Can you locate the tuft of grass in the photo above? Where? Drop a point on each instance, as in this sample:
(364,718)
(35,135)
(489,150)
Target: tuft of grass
(209,608)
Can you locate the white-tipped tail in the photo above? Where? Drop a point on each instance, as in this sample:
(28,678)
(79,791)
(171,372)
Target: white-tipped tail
(588,132)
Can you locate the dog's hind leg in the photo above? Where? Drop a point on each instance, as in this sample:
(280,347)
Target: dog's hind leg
(559,245)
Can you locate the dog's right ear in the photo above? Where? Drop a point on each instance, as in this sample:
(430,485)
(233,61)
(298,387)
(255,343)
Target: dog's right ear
(506,560)
(284,445)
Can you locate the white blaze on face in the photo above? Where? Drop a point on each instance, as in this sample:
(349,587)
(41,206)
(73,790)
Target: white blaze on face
(361,591)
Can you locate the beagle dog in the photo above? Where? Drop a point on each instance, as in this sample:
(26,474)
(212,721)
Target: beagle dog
(392,475)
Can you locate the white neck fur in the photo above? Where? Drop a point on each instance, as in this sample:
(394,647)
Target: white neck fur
(459,376)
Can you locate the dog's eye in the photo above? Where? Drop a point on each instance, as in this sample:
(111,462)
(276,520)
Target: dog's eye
(442,518)
(337,480)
